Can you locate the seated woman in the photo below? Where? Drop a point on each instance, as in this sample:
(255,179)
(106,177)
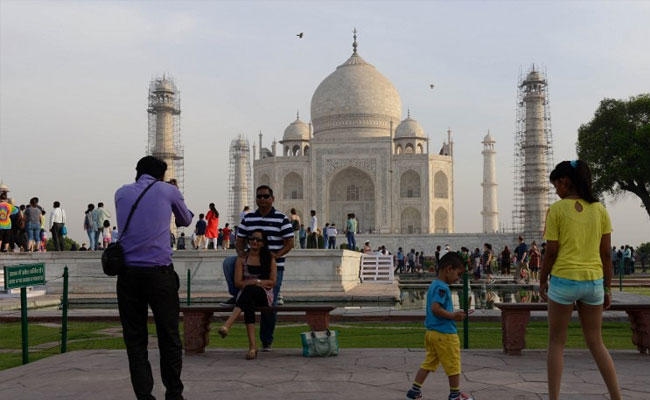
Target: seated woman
(255,276)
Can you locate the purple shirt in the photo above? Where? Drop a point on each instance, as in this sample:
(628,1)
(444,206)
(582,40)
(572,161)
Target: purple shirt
(146,243)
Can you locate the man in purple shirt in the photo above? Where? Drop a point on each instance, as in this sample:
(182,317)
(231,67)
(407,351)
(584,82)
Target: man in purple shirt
(149,278)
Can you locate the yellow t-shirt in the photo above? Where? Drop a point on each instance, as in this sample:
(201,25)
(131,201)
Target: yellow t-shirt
(578,235)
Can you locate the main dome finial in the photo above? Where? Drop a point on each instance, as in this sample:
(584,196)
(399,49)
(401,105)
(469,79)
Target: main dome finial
(354,44)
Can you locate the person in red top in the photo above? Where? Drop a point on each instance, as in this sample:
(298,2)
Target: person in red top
(226,236)
(212,231)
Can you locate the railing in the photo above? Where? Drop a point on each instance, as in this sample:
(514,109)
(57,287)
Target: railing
(377,268)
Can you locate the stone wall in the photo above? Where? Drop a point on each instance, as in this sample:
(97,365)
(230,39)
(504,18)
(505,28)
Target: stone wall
(328,271)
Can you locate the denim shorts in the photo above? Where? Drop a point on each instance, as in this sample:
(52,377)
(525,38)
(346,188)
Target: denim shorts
(34,231)
(567,291)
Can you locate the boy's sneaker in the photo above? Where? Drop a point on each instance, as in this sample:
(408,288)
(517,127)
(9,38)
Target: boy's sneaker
(460,396)
(412,394)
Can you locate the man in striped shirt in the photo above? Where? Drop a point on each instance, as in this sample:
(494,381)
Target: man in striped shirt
(279,233)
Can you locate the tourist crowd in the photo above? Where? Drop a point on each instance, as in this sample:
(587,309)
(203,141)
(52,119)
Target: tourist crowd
(574,268)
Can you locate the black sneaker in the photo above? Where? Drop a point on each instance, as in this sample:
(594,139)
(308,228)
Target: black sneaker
(230,302)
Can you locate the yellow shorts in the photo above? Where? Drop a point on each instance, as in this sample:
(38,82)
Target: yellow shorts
(442,348)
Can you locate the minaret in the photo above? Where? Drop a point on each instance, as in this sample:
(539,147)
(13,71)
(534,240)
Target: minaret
(535,148)
(490,211)
(164,127)
(240,184)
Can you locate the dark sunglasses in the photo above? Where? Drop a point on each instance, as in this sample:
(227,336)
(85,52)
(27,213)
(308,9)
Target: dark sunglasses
(254,239)
(263,196)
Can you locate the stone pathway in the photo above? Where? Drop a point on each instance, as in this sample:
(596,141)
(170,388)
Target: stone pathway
(355,374)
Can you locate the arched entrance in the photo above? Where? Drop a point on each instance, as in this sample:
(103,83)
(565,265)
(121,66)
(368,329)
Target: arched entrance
(441,220)
(410,221)
(292,188)
(351,191)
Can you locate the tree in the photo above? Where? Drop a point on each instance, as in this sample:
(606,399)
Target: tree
(616,146)
(644,249)
(67,244)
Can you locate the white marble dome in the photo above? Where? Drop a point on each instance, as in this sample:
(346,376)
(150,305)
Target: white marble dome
(409,128)
(297,130)
(356,95)
(534,76)
(488,138)
(164,85)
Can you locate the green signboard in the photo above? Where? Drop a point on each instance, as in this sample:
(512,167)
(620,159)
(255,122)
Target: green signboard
(20,276)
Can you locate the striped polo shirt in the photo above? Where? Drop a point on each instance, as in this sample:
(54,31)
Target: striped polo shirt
(276,226)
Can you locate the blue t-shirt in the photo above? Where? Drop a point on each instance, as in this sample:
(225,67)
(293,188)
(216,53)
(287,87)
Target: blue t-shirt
(201,226)
(520,250)
(439,293)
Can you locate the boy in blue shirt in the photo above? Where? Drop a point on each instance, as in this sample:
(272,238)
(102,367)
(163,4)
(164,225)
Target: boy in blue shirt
(441,340)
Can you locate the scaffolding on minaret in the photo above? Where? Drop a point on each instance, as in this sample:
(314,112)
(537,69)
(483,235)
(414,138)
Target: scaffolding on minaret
(240,184)
(533,155)
(164,140)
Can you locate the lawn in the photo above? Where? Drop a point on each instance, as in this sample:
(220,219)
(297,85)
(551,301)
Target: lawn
(483,335)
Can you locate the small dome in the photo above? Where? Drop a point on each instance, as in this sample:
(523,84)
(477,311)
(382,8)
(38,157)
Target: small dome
(165,85)
(409,128)
(297,130)
(534,76)
(488,138)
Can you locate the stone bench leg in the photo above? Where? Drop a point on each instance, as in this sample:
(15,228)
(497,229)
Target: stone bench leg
(513,328)
(318,320)
(196,329)
(640,324)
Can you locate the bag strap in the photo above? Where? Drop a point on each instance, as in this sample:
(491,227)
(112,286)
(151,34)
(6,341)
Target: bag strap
(128,219)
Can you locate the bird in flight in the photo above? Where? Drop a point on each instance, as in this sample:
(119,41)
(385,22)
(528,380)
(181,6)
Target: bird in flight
(432,86)
(300,35)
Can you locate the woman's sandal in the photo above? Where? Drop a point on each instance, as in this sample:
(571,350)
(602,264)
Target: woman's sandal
(223,331)
(251,355)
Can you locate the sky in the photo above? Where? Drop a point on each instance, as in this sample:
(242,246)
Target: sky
(74,78)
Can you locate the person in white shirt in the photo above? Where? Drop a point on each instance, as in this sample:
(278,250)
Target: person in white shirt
(312,240)
(101,215)
(331,236)
(445,251)
(114,235)
(57,222)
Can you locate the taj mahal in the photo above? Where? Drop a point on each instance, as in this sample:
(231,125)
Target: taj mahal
(358,155)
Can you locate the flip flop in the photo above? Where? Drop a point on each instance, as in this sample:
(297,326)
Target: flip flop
(223,332)
(251,355)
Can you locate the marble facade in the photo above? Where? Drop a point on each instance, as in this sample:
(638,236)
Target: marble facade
(357,157)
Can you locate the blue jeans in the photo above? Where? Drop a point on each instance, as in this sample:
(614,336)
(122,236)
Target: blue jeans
(92,238)
(34,232)
(332,242)
(97,233)
(352,242)
(267,319)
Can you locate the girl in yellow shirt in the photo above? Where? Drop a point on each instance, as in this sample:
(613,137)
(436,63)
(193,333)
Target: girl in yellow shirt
(578,241)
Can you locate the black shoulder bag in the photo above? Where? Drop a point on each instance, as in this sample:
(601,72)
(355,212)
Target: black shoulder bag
(113,256)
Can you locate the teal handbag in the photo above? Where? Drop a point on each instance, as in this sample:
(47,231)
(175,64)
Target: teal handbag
(320,343)
(64,231)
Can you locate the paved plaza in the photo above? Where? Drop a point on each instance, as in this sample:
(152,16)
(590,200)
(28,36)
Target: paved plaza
(355,374)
